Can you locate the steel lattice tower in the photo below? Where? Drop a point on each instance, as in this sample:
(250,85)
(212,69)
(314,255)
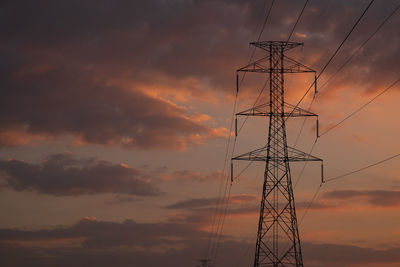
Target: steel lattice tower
(278,241)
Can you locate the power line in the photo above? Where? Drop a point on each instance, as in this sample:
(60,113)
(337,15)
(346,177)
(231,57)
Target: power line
(297,21)
(220,225)
(346,62)
(347,36)
(255,103)
(360,47)
(310,203)
(342,176)
(313,84)
(326,65)
(290,35)
(334,54)
(340,68)
(361,169)
(360,108)
(217,207)
(304,165)
(266,20)
(259,37)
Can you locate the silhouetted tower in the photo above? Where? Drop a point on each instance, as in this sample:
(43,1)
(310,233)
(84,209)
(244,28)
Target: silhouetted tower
(278,241)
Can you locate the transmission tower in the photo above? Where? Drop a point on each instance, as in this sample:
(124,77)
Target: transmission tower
(278,241)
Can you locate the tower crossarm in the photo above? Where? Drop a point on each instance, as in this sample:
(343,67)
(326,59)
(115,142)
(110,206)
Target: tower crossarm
(295,66)
(281,45)
(293,155)
(262,66)
(264,110)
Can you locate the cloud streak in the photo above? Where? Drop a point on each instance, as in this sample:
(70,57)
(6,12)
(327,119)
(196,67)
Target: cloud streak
(128,243)
(108,78)
(379,198)
(66,175)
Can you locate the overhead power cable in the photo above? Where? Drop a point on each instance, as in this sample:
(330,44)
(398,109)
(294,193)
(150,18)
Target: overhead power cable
(360,47)
(259,37)
(209,247)
(225,211)
(266,20)
(310,203)
(288,39)
(255,103)
(355,171)
(333,55)
(340,177)
(297,21)
(220,223)
(338,70)
(360,108)
(328,62)
(361,169)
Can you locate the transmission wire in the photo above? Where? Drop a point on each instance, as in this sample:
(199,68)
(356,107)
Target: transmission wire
(255,103)
(331,58)
(297,21)
(290,35)
(342,176)
(361,169)
(360,108)
(337,71)
(319,75)
(223,171)
(259,37)
(310,203)
(226,205)
(361,46)
(288,39)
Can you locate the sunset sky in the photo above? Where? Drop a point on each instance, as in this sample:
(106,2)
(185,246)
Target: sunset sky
(114,125)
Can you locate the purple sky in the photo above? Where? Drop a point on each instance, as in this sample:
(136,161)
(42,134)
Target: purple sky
(115,118)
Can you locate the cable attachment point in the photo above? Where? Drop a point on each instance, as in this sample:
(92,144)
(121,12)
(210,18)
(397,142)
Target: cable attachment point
(236,131)
(322,173)
(231,172)
(237,83)
(315,85)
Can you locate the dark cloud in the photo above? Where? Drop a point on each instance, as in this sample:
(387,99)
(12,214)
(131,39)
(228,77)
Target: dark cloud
(85,68)
(60,103)
(237,204)
(188,175)
(121,200)
(348,255)
(210,202)
(101,234)
(381,198)
(100,243)
(66,175)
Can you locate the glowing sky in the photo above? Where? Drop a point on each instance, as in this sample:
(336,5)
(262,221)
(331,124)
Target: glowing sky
(114,124)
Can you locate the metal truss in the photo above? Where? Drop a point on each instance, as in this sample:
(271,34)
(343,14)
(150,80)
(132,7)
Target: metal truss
(278,241)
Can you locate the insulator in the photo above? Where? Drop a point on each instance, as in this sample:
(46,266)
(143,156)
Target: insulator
(231,172)
(236,133)
(315,84)
(322,173)
(237,82)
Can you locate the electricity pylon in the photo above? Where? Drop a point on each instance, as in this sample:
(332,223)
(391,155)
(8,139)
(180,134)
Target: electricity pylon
(278,241)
